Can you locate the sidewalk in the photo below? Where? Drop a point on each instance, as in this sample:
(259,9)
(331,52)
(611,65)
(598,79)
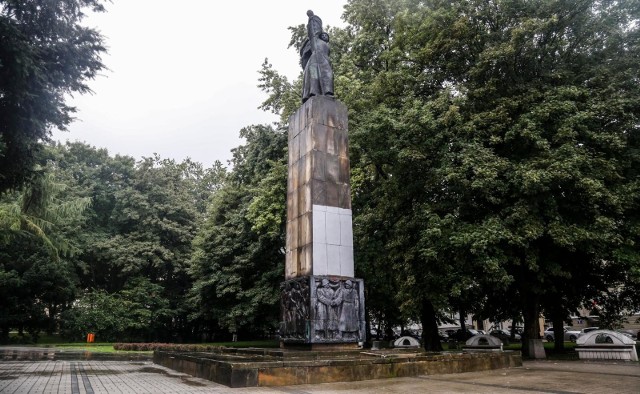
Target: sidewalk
(64,376)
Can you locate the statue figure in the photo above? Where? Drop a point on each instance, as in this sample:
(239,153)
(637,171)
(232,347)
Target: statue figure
(314,58)
(349,324)
(326,318)
(287,310)
(298,295)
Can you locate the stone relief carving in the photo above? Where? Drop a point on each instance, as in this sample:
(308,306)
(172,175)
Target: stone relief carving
(321,309)
(338,314)
(294,306)
(326,323)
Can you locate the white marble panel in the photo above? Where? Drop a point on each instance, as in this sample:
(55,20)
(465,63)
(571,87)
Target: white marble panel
(333,228)
(319,219)
(322,208)
(346,261)
(346,230)
(333,260)
(320,259)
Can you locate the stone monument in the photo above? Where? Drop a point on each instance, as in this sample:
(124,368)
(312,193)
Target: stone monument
(322,304)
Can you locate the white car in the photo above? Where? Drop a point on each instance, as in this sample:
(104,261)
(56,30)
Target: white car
(569,334)
(586,330)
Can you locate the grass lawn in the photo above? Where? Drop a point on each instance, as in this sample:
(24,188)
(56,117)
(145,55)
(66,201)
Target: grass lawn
(568,353)
(55,341)
(241,344)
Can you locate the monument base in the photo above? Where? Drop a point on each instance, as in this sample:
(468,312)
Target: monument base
(320,347)
(276,367)
(322,312)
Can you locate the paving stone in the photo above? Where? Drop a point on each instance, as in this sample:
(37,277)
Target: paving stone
(130,377)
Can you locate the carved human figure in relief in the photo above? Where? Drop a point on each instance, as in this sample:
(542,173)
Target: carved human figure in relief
(288,311)
(349,323)
(314,58)
(326,323)
(298,295)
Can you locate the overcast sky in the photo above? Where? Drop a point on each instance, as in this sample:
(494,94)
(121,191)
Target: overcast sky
(182,78)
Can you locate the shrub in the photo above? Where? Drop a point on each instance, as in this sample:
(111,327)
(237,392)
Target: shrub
(175,347)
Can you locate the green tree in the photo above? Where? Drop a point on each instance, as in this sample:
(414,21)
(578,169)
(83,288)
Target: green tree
(505,132)
(45,53)
(238,260)
(136,313)
(493,152)
(139,227)
(36,273)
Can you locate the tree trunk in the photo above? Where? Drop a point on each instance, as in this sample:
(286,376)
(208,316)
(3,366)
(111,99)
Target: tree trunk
(558,332)
(430,337)
(512,332)
(531,316)
(51,321)
(367,328)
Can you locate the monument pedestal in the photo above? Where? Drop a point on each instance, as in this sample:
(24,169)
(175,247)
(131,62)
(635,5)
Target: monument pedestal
(322,304)
(320,312)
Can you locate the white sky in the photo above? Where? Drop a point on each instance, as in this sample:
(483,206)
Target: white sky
(182,78)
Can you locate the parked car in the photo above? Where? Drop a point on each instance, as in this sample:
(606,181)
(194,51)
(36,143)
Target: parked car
(417,334)
(633,334)
(460,336)
(505,336)
(586,330)
(443,336)
(569,334)
(519,329)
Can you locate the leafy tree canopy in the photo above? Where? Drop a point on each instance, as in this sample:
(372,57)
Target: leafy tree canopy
(45,53)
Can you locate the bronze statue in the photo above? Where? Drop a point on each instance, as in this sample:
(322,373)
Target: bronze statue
(314,58)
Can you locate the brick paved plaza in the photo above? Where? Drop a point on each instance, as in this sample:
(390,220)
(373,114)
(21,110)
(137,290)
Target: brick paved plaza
(145,377)
(96,377)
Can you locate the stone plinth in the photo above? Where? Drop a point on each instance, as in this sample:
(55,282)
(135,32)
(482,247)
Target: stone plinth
(322,304)
(271,367)
(319,224)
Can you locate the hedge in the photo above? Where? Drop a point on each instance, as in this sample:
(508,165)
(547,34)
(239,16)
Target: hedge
(140,347)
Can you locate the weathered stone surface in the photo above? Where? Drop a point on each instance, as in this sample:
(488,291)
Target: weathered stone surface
(318,176)
(308,367)
(607,345)
(322,310)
